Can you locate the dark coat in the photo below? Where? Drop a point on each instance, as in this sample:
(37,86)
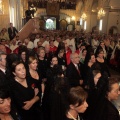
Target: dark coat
(4,79)
(12,33)
(15,115)
(106,111)
(73,75)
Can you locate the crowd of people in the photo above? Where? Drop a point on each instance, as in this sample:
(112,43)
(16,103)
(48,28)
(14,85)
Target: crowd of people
(59,75)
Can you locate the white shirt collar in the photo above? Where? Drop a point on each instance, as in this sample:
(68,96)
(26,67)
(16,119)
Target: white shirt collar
(3,70)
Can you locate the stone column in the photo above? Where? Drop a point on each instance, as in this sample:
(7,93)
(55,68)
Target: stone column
(105,22)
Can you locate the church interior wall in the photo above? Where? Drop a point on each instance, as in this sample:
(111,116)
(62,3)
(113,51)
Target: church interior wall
(4,18)
(110,19)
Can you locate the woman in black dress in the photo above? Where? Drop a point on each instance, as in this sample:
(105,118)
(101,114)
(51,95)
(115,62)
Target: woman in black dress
(104,109)
(96,92)
(103,47)
(42,63)
(32,72)
(110,112)
(22,54)
(76,103)
(53,71)
(87,68)
(57,97)
(102,63)
(7,110)
(25,93)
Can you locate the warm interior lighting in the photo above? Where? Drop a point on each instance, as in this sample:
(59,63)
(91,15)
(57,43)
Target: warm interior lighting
(84,16)
(68,19)
(100,25)
(85,25)
(73,17)
(81,21)
(101,13)
(1,7)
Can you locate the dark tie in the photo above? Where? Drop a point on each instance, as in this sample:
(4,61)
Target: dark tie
(77,69)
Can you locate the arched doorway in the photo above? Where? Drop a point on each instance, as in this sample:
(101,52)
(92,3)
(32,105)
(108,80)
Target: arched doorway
(51,23)
(63,24)
(70,27)
(113,30)
(42,24)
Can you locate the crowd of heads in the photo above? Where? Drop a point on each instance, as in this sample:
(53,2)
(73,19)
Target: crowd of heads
(82,49)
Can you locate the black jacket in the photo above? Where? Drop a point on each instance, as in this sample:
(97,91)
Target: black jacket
(73,75)
(12,33)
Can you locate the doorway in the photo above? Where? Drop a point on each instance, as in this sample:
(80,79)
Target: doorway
(51,23)
(113,30)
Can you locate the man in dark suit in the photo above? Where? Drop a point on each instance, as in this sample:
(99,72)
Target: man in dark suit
(3,77)
(12,31)
(73,71)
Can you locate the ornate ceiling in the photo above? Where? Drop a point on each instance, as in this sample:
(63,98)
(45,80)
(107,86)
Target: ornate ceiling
(88,5)
(91,5)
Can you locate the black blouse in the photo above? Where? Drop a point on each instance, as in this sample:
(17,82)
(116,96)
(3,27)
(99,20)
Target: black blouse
(103,67)
(20,94)
(36,81)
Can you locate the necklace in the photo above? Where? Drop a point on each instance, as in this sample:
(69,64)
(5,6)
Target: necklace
(78,118)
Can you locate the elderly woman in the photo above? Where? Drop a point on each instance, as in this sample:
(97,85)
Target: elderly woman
(25,93)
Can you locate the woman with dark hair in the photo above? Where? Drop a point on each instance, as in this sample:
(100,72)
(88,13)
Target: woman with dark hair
(57,98)
(10,58)
(22,53)
(102,63)
(110,112)
(7,110)
(53,71)
(83,55)
(97,86)
(61,46)
(76,103)
(103,47)
(25,93)
(104,108)
(89,65)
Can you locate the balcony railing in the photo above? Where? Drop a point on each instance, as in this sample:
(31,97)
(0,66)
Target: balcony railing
(43,4)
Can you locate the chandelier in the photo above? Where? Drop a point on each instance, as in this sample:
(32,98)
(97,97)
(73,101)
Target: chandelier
(1,7)
(84,16)
(101,13)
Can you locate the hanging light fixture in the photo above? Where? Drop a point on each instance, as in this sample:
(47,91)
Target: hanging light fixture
(101,13)
(84,16)
(1,7)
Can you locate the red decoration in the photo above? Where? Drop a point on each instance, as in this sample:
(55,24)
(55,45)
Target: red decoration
(33,86)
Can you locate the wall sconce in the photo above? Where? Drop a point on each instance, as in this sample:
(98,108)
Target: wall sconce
(68,19)
(73,18)
(1,7)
